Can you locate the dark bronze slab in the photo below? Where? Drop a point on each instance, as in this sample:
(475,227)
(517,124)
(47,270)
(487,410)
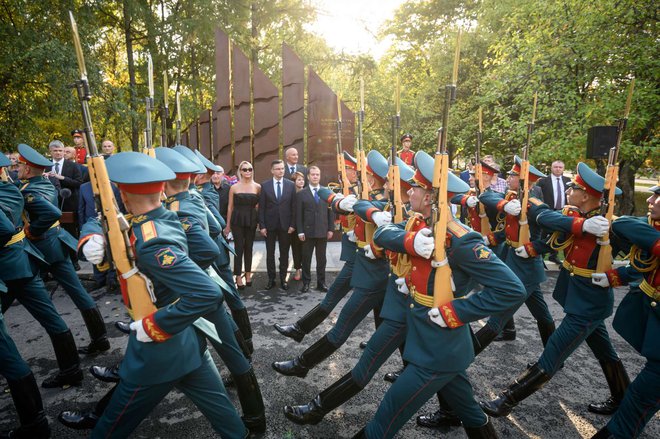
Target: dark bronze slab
(293,101)
(204,133)
(222,149)
(266,106)
(241,94)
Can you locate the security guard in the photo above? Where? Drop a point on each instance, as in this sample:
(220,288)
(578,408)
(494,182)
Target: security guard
(164,351)
(343,207)
(368,288)
(586,304)
(637,320)
(55,243)
(438,341)
(389,336)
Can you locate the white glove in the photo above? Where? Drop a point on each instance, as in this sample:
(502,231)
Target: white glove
(140,333)
(471,201)
(597,225)
(424,243)
(522,252)
(382,218)
(436,317)
(230,236)
(402,286)
(368,252)
(94,249)
(347,203)
(486,240)
(600,279)
(512,207)
(351,236)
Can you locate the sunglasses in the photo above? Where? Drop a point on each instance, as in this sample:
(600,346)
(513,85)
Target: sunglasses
(246,169)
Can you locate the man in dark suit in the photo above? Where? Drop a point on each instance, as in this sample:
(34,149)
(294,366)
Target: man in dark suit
(291,164)
(69,176)
(314,225)
(553,188)
(277,220)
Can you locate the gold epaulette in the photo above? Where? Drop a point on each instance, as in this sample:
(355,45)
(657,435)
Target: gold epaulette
(148,231)
(456,229)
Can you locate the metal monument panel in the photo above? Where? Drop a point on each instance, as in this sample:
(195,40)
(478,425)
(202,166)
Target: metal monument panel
(293,101)
(266,143)
(241,94)
(222,150)
(204,133)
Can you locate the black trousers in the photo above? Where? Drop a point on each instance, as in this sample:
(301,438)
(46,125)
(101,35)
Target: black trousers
(296,251)
(317,245)
(243,241)
(283,240)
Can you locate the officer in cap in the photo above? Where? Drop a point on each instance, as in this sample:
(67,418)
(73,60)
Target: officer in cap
(438,342)
(56,245)
(166,337)
(343,208)
(637,318)
(79,144)
(406,154)
(586,303)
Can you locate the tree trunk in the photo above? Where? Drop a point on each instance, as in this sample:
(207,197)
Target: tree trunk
(627,169)
(131,75)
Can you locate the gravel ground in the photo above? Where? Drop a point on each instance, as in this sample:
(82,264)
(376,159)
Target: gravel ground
(559,410)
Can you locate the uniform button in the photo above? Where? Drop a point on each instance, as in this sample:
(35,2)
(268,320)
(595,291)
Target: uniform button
(572,274)
(654,304)
(573,261)
(412,305)
(576,247)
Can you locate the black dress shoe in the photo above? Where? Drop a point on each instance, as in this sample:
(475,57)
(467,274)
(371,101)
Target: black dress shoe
(439,419)
(61,379)
(322,288)
(78,420)
(270,284)
(284,285)
(363,345)
(290,368)
(95,347)
(291,331)
(105,374)
(124,327)
(76,266)
(392,376)
(305,288)
(506,335)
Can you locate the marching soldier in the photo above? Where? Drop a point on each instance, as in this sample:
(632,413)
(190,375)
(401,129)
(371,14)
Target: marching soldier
(368,288)
(637,320)
(585,303)
(183,293)
(343,207)
(438,345)
(406,154)
(389,336)
(56,244)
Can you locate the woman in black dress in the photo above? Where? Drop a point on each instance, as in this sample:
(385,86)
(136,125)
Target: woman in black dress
(242,221)
(296,244)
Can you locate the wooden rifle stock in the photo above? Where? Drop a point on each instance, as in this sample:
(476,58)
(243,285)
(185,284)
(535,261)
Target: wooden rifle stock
(394,174)
(523,182)
(607,202)
(114,224)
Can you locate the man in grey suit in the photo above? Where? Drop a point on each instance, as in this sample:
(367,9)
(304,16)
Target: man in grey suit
(291,164)
(314,225)
(277,220)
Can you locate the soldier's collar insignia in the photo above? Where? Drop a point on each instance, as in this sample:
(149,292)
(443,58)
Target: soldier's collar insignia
(185,223)
(168,200)
(137,219)
(165,257)
(29,198)
(482,252)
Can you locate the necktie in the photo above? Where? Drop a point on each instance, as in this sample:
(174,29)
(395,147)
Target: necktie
(279,190)
(57,168)
(292,169)
(316,195)
(559,197)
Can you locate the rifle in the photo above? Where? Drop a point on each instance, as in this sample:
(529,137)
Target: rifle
(609,188)
(165,112)
(178,120)
(115,226)
(394,176)
(149,101)
(523,179)
(442,283)
(478,181)
(344,184)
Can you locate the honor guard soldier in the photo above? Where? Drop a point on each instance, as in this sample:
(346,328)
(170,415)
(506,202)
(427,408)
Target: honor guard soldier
(406,154)
(343,207)
(164,351)
(20,262)
(637,320)
(389,336)
(368,288)
(210,197)
(55,243)
(438,344)
(586,304)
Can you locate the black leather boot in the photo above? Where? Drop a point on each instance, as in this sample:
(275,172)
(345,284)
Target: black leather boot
(304,325)
(97,332)
(312,413)
(603,433)
(106,374)
(442,418)
(86,420)
(391,377)
(482,338)
(360,434)
(618,381)
(30,409)
(300,365)
(486,431)
(243,345)
(249,394)
(529,382)
(243,322)
(545,330)
(68,361)
(508,333)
